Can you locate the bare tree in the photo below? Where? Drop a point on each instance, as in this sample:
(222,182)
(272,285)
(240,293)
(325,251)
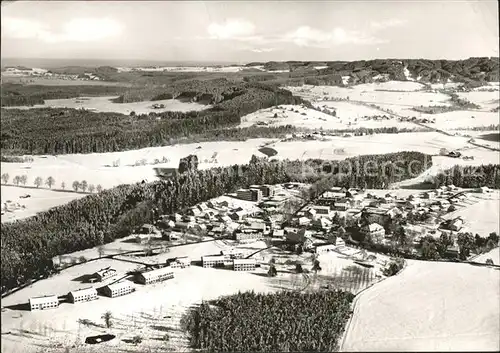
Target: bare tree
(16,180)
(91,188)
(50,181)
(76,185)
(5,178)
(38,181)
(99,188)
(83,185)
(23,179)
(63,185)
(107,317)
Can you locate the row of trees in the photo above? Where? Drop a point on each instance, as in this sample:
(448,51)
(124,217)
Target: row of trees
(282,322)
(50,181)
(29,245)
(470,176)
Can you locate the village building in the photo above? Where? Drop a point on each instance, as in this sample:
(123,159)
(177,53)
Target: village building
(453,224)
(179,262)
(375,231)
(193,211)
(155,276)
(444,203)
(237,216)
(105,273)
(118,289)
(302,221)
(484,189)
(323,211)
(322,223)
(266,190)
(44,302)
(203,207)
(210,261)
(249,194)
(376,215)
(279,233)
(244,264)
(247,234)
(82,295)
(429,195)
(233,254)
(341,204)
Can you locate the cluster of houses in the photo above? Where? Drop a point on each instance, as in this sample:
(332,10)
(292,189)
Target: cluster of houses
(115,287)
(328,216)
(222,219)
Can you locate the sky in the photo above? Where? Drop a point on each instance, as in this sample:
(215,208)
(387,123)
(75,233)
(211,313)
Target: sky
(243,32)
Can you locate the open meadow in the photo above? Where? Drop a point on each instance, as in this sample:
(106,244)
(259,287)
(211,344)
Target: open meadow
(430,306)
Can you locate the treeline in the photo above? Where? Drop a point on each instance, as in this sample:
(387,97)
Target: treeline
(470,176)
(63,131)
(473,71)
(29,245)
(28,95)
(281,322)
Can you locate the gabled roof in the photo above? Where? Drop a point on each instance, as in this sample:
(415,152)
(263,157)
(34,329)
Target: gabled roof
(119,285)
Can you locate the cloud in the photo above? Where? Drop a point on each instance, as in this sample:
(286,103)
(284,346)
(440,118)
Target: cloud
(232,29)
(394,22)
(262,50)
(76,30)
(306,36)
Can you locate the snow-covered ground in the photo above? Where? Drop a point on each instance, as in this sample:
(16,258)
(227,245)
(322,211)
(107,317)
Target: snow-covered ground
(430,306)
(104,104)
(348,115)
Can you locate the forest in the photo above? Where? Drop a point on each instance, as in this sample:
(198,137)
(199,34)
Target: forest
(29,245)
(470,176)
(281,322)
(29,95)
(63,131)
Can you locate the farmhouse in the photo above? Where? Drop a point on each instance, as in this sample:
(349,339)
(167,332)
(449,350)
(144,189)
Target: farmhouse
(375,230)
(238,215)
(194,211)
(321,210)
(429,195)
(249,194)
(244,264)
(376,215)
(45,302)
(279,233)
(341,204)
(155,276)
(118,289)
(105,273)
(82,295)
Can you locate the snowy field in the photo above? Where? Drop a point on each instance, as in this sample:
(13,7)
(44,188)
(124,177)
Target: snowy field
(348,116)
(154,310)
(401,102)
(481,215)
(96,168)
(104,104)
(430,306)
(40,200)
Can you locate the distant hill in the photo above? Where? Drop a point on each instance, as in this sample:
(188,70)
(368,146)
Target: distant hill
(472,70)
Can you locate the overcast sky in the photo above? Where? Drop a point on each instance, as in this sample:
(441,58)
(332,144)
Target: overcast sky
(243,31)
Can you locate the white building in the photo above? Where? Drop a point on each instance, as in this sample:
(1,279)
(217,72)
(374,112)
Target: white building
(45,302)
(105,273)
(215,260)
(155,276)
(180,262)
(82,295)
(244,264)
(118,289)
